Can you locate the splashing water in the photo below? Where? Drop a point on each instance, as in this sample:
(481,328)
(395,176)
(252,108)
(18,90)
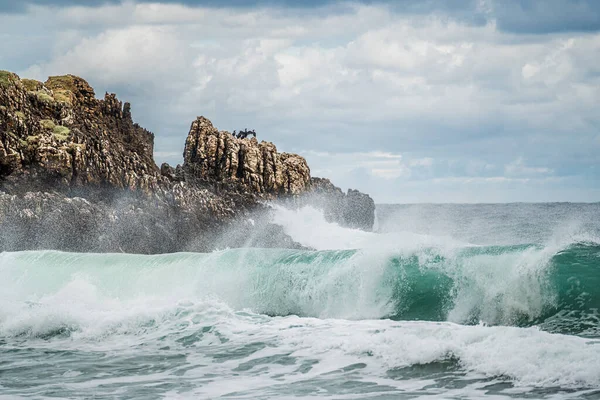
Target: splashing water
(365,315)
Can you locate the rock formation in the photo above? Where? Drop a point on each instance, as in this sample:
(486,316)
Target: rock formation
(77,174)
(217,156)
(352,209)
(58,134)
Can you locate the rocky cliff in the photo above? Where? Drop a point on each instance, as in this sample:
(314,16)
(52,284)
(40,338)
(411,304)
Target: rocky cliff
(211,155)
(76,173)
(352,209)
(58,135)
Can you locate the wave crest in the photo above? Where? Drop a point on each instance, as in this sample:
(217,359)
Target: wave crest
(502,285)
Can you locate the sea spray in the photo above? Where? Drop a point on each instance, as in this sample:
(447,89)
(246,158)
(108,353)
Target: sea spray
(516,285)
(398,313)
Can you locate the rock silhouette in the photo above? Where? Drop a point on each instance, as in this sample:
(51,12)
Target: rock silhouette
(244,134)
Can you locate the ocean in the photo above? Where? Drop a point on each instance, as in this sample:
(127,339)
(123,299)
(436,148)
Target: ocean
(444,301)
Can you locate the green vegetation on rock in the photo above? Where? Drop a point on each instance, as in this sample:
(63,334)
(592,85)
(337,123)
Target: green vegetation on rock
(47,124)
(30,142)
(20,115)
(31,84)
(64,82)
(63,96)
(60,132)
(44,97)
(6,78)
(62,88)
(32,139)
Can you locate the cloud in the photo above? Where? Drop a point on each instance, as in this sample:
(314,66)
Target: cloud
(376,164)
(421,162)
(518,168)
(549,16)
(395,95)
(123,56)
(514,16)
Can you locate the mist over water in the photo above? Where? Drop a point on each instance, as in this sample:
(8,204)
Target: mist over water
(447,301)
(496,224)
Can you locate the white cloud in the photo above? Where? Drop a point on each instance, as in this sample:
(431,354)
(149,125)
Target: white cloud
(397,97)
(390,173)
(378,164)
(530,70)
(136,55)
(421,162)
(518,168)
(385,66)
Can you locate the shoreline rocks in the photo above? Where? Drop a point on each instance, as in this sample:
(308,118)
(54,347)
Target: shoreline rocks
(217,156)
(77,174)
(57,135)
(352,209)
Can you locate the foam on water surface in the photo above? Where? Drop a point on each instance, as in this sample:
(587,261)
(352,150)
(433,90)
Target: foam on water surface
(217,351)
(471,320)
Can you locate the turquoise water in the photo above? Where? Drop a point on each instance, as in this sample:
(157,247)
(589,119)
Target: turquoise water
(380,315)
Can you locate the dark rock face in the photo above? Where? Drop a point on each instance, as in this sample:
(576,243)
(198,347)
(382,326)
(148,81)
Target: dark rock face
(77,174)
(183,219)
(353,209)
(58,135)
(359,211)
(172,174)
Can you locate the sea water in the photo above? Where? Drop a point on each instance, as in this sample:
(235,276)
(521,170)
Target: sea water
(472,301)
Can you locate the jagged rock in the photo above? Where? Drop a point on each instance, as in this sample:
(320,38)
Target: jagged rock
(58,133)
(217,156)
(182,219)
(359,210)
(352,209)
(77,174)
(173,174)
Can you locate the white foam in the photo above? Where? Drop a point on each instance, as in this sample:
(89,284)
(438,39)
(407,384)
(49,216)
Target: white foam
(308,226)
(495,287)
(364,284)
(118,312)
(527,357)
(502,286)
(47,291)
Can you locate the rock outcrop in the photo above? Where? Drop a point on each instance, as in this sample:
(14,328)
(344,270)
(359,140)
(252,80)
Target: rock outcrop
(77,174)
(183,219)
(57,134)
(352,209)
(218,157)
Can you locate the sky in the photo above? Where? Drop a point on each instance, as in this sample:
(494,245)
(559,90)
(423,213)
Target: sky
(410,101)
